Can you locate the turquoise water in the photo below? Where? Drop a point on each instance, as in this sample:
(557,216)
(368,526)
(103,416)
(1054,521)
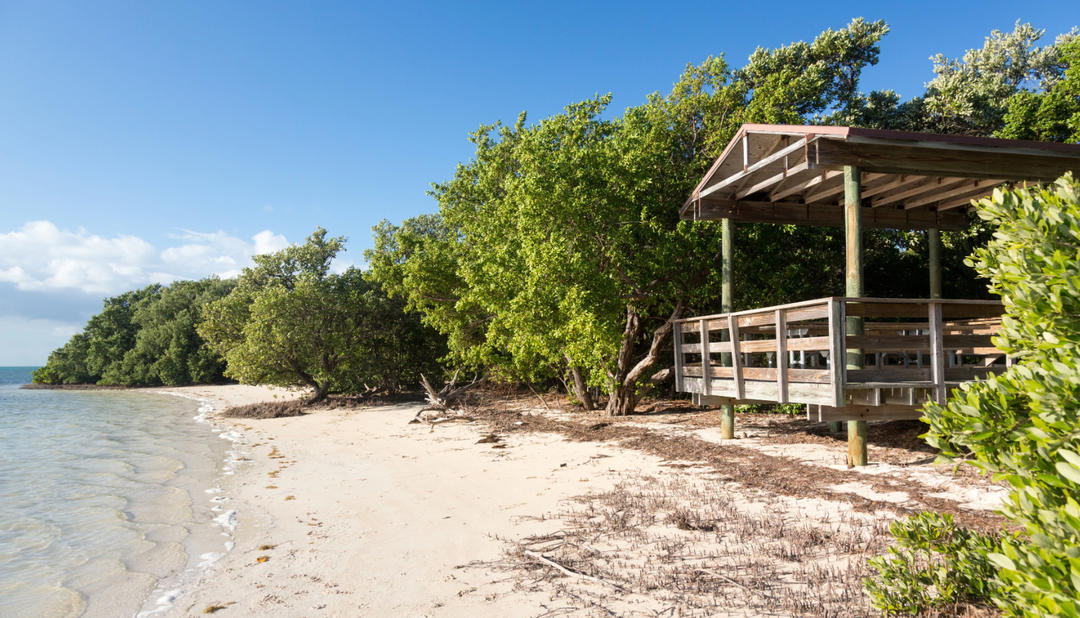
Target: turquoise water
(108,499)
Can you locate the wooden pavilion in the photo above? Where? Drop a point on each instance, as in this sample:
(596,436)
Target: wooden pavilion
(851,358)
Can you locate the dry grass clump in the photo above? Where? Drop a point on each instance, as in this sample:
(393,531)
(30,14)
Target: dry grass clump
(691,548)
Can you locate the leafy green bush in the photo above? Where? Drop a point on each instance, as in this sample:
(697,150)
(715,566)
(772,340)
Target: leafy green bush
(144,337)
(291,322)
(1023,425)
(934,564)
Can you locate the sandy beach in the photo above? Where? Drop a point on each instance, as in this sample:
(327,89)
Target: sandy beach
(357,512)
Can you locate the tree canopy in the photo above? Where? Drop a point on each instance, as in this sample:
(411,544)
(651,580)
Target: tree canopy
(142,337)
(557,249)
(290,321)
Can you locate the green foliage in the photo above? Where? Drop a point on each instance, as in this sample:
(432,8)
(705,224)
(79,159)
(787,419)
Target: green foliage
(1023,424)
(970,95)
(559,246)
(1053,115)
(143,337)
(934,564)
(291,322)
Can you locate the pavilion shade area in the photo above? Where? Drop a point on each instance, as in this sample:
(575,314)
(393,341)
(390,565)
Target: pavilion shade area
(794,175)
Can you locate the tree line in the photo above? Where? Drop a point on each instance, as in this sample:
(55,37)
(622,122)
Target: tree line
(557,255)
(287,320)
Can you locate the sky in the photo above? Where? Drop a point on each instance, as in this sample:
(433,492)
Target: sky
(146,142)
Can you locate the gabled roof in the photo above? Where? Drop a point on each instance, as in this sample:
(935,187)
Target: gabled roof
(794,174)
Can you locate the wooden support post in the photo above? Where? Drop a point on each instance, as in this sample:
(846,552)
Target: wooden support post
(933,244)
(853,248)
(781,357)
(727,291)
(937,353)
(706,374)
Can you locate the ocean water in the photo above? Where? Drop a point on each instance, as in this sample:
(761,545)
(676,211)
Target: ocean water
(110,502)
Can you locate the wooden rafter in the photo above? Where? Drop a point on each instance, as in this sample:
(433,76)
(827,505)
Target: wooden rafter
(912,178)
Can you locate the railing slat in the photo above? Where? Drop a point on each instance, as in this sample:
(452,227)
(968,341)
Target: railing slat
(703,327)
(781,357)
(937,353)
(837,366)
(736,359)
(676,335)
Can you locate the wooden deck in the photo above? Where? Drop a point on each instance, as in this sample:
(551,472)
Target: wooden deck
(846,358)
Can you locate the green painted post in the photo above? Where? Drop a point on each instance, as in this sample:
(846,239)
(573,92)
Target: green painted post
(853,229)
(933,243)
(727,230)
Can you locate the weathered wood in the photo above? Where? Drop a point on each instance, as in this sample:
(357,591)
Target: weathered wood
(705,360)
(853,231)
(913,374)
(818,177)
(676,335)
(774,181)
(829,215)
(919,343)
(776,157)
(928,157)
(937,353)
(736,356)
(933,244)
(756,391)
(898,309)
(836,351)
(930,184)
(966,188)
(727,295)
(781,357)
(809,376)
(868,413)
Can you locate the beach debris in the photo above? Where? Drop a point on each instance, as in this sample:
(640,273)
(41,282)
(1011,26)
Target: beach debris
(569,572)
(489,439)
(266,547)
(449,396)
(210,609)
(262,559)
(290,497)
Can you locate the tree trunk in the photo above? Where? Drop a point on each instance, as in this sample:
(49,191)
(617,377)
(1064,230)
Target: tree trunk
(321,391)
(624,389)
(581,389)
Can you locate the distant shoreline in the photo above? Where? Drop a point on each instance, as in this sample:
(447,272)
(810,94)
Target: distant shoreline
(99,387)
(75,387)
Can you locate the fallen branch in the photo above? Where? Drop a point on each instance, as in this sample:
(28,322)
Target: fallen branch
(569,572)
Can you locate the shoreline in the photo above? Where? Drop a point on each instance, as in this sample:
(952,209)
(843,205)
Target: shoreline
(356,511)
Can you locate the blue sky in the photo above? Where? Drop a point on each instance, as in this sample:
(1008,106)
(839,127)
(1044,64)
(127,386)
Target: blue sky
(145,141)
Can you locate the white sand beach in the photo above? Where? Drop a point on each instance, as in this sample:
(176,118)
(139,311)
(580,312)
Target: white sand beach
(357,512)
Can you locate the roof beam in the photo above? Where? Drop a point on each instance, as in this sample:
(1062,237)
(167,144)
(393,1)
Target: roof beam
(918,188)
(772,181)
(830,215)
(968,188)
(913,158)
(773,158)
(798,187)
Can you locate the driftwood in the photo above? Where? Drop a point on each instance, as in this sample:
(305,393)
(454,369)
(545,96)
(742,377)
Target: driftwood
(444,401)
(570,572)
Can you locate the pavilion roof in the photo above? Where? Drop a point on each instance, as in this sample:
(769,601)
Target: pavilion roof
(794,174)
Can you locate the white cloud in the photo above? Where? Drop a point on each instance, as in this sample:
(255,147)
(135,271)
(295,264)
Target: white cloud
(41,257)
(28,341)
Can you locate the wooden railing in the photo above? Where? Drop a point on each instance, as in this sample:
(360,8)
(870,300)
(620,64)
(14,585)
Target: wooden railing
(837,351)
